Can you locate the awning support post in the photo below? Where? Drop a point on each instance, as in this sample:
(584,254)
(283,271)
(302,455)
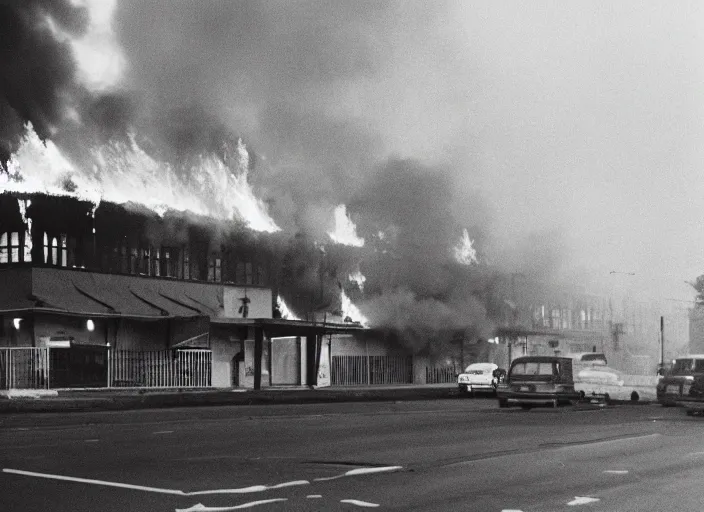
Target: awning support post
(258,349)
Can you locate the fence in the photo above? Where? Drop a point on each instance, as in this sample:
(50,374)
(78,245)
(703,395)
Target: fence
(24,368)
(190,368)
(441,375)
(371,370)
(44,368)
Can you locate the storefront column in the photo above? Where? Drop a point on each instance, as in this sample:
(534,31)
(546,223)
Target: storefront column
(258,349)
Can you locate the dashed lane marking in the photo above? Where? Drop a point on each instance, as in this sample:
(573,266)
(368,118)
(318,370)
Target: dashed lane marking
(360,471)
(312,496)
(360,503)
(616,471)
(163,432)
(92,440)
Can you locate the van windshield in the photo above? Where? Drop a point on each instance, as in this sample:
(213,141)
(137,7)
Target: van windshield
(687,366)
(594,358)
(532,368)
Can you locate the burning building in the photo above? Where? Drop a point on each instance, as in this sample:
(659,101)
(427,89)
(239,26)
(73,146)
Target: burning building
(97,284)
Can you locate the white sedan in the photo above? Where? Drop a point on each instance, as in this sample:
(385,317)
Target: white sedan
(478,377)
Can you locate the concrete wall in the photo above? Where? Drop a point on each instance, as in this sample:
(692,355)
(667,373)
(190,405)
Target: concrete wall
(140,335)
(224,351)
(247,379)
(12,337)
(359,345)
(260,305)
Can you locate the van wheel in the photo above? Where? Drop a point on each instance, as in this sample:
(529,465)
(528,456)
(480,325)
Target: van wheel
(525,407)
(635,396)
(582,396)
(503,404)
(607,399)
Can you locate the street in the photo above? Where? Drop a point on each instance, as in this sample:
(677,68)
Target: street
(464,454)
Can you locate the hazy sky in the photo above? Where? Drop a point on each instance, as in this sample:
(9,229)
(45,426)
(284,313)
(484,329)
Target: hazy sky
(578,123)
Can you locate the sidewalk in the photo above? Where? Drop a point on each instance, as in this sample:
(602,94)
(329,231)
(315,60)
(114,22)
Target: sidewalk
(87,400)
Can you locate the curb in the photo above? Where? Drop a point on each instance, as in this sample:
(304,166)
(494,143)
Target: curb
(226,398)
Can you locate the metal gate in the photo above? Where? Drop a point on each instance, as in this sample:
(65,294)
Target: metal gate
(371,370)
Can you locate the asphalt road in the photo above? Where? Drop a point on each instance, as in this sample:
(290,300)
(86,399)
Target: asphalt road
(426,456)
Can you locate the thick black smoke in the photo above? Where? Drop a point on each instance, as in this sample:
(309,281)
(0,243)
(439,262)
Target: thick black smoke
(38,69)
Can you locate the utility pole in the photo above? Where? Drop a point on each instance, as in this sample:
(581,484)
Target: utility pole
(662,342)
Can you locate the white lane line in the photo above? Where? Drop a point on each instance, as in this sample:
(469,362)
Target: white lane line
(202,508)
(94,482)
(253,488)
(163,432)
(360,503)
(91,440)
(616,471)
(310,496)
(243,490)
(360,471)
(582,500)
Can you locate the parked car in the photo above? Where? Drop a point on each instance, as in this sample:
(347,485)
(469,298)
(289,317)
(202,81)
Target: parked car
(676,383)
(479,377)
(538,380)
(693,402)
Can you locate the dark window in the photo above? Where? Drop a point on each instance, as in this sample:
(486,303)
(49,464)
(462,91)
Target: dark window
(168,262)
(15,247)
(134,257)
(214,269)
(4,251)
(56,249)
(186,263)
(260,275)
(156,263)
(240,274)
(249,278)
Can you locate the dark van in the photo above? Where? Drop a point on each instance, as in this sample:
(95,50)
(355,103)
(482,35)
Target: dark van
(538,380)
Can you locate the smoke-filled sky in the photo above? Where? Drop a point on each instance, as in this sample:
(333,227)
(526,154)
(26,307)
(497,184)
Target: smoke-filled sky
(568,134)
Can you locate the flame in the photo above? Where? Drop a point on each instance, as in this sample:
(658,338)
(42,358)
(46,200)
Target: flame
(345,230)
(351,311)
(358,278)
(27,221)
(124,172)
(286,313)
(465,253)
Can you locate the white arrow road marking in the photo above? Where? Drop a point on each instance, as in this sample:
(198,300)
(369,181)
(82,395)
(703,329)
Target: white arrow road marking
(582,500)
(360,503)
(202,508)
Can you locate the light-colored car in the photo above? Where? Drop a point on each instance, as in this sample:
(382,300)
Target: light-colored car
(478,378)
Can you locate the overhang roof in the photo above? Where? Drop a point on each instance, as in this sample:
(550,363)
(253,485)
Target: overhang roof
(281,327)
